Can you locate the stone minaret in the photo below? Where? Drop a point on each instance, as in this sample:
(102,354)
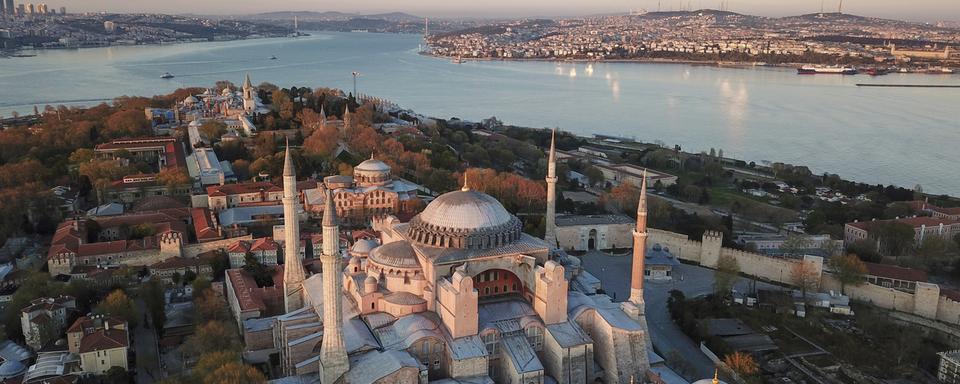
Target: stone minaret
(333,353)
(293,274)
(550,236)
(639,246)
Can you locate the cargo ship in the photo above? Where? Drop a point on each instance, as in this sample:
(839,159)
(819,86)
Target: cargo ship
(832,70)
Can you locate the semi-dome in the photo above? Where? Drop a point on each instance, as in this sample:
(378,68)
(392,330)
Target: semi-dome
(398,254)
(10,369)
(364,246)
(465,219)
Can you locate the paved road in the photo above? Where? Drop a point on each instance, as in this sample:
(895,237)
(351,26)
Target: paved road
(145,345)
(614,274)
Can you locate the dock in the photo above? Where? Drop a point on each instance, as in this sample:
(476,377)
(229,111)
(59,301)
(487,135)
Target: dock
(908,85)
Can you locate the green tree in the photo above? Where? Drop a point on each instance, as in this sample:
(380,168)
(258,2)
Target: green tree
(235,373)
(728,270)
(212,336)
(895,238)
(211,361)
(152,294)
(849,270)
(212,130)
(117,303)
(795,245)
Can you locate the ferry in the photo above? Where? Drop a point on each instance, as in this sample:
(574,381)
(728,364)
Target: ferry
(166,75)
(832,70)
(273,57)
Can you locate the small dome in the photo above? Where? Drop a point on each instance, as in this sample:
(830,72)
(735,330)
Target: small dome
(364,246)
(372,165)
(191,100)
(354,261)
(11,368)
(370,280)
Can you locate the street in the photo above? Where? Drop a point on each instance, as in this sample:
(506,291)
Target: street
(668,340)
(145,345)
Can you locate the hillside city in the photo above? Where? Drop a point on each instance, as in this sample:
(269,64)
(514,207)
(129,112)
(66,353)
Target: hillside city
(246,232)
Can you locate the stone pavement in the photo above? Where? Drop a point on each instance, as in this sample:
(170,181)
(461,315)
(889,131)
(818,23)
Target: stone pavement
(667,338)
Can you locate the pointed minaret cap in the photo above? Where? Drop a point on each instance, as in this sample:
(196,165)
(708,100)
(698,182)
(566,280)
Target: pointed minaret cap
(246,82)
(716,372)
(288,169)
(466,184)
(329,211)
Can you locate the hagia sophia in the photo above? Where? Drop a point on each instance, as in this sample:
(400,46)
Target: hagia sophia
(459,294)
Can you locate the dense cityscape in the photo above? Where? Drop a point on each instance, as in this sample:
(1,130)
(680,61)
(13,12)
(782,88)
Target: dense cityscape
(247,232)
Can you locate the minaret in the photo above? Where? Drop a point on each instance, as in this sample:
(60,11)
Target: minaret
(346,116)
(333,353)
(550,236)
(323,117)
(639,247)
(293,274)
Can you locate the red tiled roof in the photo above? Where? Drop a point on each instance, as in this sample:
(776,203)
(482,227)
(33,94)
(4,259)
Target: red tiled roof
(86,322)
(203,226)
(951,294)
(137,142)
(948,211)
(236,189)
(104,339)
(895,272)
(239,246)
(249,296)
(264,244)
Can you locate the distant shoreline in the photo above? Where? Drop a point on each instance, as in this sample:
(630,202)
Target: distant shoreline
(10,53)
(712,63)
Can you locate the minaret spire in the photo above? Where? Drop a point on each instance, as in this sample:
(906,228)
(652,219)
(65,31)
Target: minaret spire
(333,353)
(550,235)
(639,246)
(346,116)
(293,274)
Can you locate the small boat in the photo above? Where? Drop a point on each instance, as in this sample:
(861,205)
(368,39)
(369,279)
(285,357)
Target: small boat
(457,60)
(873,71)
(166,75)
(273,57)
(939,71)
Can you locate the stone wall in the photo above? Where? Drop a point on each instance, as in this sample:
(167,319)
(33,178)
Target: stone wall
(192,250)
(927,302)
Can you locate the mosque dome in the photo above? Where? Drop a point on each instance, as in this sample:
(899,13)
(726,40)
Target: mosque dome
(465,219)
(191,100)
(372,165)
(398,254)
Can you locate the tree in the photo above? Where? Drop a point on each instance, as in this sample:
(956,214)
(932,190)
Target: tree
(849,270)
(212,336)
(116,375)
(173,177)
(153,298)
(200,285)
(594,175)
(189,276)
(726,275)
(805,277)
(932,247)
(895,237)
(211,361)
(213,130)
(126,123)
(322,142)
(117,303)
(235,373)
(219,264)
(211,307)
(741,363)
(795,245)
(176,278)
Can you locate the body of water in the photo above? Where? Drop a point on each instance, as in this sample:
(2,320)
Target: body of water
(904,136)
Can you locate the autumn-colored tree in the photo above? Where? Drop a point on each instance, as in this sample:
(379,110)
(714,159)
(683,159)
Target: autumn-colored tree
(741,363)
(212,130)
(212,336)
(211,361)
(117,303)
(310,121)
(235,373)
(282,104)
(322,142)
(623,197)
(210,306)
(172,177)
(241,168)
(805,276)
(126,123)
(849,270)
(16,174)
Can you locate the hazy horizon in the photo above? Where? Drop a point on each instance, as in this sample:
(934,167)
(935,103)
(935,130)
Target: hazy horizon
(921,10)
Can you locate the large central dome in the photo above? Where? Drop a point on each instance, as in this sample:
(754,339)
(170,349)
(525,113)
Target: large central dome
(465,219)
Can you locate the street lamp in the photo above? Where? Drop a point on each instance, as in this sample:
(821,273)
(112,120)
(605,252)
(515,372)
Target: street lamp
(355,74)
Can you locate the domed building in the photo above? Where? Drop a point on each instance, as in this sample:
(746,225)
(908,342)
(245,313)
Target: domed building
(457,294)
(370,193)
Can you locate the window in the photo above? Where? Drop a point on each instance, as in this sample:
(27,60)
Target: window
(490,341)
(535,337)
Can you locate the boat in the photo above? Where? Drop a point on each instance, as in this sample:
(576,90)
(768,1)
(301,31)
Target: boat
(939,71)
(873,71)
(457,60)
(273,57)
(166,75)
(831,70)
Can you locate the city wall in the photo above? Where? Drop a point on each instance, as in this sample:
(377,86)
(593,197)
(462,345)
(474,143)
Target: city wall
(927,302)
(192,250)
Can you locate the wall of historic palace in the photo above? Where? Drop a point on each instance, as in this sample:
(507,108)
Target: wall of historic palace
(192,250)
(607,236)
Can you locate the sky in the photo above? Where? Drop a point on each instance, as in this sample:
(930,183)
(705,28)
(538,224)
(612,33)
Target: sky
(920,10)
